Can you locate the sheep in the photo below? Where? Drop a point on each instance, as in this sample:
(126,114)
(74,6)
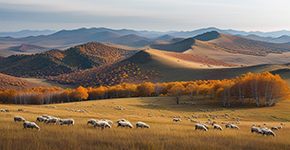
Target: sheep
(52,120)
(27,124)
(267,131)
(125,123)
(41,119)
(17,118)
(274,128)
(102,124)
(282,124)
(206,126)
(92,121)
(215,126)
(109,121)
(255,129)
(141,125)
(280,127)
(2,110)
(232,126)
(177,119)
(200,127)
(20,109)
(67,121)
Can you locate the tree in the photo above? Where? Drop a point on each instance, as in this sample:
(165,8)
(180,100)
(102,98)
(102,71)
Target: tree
(145,89)
(80,93)
(191,89)
(176,91)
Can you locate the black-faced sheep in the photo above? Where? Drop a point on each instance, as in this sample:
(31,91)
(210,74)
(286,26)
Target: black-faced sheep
(27,124)
(232,126)
(20,109)
(66,121)
(52,120)
(142,125)
(200,127)
(215,126)
(92,121)
(41,119)
(177,119)
(124,123)
(102,124)
(2,110)
(274,128)
(255,129)
(17,118)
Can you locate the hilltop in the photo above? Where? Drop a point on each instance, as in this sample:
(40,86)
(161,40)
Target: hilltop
(55,62)
(225,42)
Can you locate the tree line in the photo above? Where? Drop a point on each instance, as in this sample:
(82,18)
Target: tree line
(263,89)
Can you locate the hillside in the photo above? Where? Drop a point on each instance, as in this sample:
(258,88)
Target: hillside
(228,43)
(10,82)
(159,66)
(57,62)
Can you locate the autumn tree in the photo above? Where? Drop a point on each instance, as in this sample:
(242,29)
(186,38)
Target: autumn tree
(80,93)
(176,91)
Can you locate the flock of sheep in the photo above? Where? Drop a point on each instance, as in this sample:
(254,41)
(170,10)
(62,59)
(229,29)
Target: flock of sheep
(104,123)
(205,127)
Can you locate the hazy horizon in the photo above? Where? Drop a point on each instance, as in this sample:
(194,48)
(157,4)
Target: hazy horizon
(163,15)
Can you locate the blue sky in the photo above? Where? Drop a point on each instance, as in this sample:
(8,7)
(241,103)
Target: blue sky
(157,15)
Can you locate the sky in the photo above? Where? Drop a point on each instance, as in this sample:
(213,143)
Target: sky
(152,15)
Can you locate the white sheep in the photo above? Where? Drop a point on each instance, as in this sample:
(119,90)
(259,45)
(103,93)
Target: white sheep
(232,126)
(41,119)
(257,130)
(20,109)
(206,126)
(102,124)
(267,131)
(52,120)
(67,121)
(215,126)
(274,128)
(124,123)
(92,121)
(142,125)
(177,119)
(109,121)
(27,124)
(2,110)
(17,118)
(200,127)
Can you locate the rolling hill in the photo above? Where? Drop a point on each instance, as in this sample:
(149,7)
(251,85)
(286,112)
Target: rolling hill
(228,43)
(57,62)
(10,82)
(153,65)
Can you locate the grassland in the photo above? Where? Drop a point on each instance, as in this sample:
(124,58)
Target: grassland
(163,132)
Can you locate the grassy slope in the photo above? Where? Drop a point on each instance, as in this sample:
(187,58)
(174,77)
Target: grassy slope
(163,134)
(177,70)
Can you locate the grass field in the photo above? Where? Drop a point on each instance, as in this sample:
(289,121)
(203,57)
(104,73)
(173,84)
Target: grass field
(163,132)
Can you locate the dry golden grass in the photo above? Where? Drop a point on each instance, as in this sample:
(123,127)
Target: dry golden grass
(163,132)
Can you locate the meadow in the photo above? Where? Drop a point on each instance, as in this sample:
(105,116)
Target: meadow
(163,132)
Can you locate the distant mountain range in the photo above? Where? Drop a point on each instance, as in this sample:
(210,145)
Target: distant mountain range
(25,33)
(68,38)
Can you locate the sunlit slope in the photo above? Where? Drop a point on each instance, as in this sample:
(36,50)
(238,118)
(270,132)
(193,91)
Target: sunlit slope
(175,69)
